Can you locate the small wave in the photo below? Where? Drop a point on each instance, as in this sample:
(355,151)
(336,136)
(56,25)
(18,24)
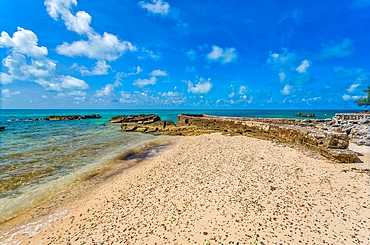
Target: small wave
(25,120)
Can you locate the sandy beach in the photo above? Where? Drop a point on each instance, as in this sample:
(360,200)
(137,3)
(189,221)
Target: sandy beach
(218,189)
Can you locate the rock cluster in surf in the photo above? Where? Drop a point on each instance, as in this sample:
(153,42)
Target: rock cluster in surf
(71,117)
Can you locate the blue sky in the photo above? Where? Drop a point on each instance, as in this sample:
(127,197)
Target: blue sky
(184,54)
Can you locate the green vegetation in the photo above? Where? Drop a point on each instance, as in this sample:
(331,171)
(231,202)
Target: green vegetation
(365,101)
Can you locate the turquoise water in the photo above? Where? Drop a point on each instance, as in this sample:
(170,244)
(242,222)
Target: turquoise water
(39,158)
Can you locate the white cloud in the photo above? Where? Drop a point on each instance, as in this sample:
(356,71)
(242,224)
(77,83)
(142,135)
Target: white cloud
(108,89)
(143,82)
(151,54)
(24,42)
(353,87)
(224,56)
(337,49)
(7,94)
(44,96)
(243,89)
(231,95)
(303,67)
(170,94)
(158,73)
(100,68)
(125,97)
(191,54)
(287,89)
(5,78)
(156,7)
(202,87)
(79,23)
(106,47)
(282,76)
(72,83)
(101,47)
(28,62)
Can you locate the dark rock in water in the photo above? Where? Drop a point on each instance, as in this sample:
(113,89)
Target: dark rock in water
(305,115)
(2,128)
(93,116)
(139,119)
(58,118)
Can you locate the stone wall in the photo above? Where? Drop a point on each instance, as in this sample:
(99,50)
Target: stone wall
(351,116)
(331,144)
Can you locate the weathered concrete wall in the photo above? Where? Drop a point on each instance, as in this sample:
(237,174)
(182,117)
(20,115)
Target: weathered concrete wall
(331,144)
(351,116)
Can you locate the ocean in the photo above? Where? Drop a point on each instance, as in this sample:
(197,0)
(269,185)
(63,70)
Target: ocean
(39,158)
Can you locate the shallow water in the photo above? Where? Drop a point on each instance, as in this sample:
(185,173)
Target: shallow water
(39,158)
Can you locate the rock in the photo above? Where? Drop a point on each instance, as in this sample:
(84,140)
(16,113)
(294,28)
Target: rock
(58,118)
(305,115)
(93,116)
(328,140)
(142,118)
(2,128)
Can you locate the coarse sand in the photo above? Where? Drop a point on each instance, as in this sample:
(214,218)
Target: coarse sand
(218,189)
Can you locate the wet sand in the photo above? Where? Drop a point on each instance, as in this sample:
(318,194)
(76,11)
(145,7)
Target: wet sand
(216,189)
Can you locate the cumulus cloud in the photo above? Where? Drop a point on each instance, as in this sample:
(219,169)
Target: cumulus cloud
(100,68)
(169,94)
(27,61)
(150,53)
(350,97)
(158,73)
(23,42)
(106,47)
(243,89)
(224,56)
(79,23)
(7,94)
(101,47)
(282,76)
(201,87)
(353,87)
(303,67)
(287,89)
(156,7)
(143,82)
(108,89)
(334,49)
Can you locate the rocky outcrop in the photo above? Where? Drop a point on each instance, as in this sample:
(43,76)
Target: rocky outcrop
(140,119)
(331,143)
(92,116)
(305,115)
(317,135)
(356,126)
(72,117)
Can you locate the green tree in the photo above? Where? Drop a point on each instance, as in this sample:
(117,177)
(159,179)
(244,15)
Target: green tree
(365,101)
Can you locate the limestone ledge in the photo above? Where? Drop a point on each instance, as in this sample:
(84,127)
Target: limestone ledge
(317,135)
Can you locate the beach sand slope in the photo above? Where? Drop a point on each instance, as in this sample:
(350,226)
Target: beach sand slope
(216,189)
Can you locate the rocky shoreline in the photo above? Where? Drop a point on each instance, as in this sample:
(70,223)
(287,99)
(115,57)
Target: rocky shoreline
(329,137)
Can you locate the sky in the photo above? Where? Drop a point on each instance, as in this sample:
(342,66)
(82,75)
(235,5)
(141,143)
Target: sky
(257,54)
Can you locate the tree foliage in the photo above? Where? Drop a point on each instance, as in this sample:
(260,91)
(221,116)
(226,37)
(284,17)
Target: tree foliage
(365,101)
